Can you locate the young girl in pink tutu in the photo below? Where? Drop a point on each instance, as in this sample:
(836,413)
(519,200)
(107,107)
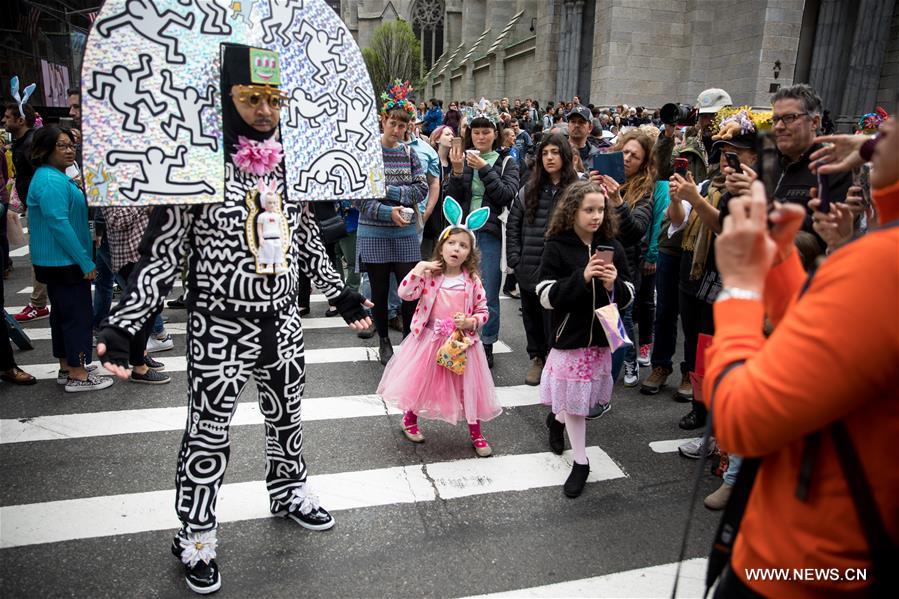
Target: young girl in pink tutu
(583,268)
(450,296)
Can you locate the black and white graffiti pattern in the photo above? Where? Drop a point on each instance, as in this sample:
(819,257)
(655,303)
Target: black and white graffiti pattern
(328,126)
(223,353)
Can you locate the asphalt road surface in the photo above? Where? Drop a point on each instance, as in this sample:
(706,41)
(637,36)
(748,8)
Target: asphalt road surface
(87,500)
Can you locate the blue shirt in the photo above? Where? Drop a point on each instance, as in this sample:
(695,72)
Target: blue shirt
(57,221)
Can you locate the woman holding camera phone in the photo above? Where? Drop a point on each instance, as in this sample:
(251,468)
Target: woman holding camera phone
(387,236)
(479,178)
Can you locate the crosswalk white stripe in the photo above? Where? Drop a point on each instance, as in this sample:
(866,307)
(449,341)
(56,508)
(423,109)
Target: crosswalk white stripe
(668,446)
(654,581)
(331,355)
(151,420)
(19,252)
(69,519)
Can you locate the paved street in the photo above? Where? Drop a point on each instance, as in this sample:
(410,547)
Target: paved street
(88,503)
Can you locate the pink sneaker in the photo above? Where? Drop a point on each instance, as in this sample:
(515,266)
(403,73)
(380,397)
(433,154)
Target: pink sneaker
(30,313)
(645,351)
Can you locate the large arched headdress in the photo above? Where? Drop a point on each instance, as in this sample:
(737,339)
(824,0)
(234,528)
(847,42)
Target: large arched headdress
(152,104)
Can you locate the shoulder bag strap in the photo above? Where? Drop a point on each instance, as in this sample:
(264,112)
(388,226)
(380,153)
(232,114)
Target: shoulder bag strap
(697,480)
(884,552)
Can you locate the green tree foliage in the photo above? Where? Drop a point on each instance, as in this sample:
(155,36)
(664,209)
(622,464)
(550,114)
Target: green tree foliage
(394,53)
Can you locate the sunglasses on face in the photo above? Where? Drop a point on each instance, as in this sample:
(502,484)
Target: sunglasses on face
(253,96)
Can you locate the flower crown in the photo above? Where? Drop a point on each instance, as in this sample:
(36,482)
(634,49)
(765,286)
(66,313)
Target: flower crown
(750,121)
(397,97)
(871,122)
(453,213)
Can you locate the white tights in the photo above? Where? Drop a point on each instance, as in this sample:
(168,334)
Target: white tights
(576,427)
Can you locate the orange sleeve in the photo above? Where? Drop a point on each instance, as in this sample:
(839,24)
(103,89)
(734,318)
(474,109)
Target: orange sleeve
(834,349)
(782,286)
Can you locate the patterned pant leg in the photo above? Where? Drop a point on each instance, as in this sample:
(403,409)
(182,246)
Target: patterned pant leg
(221,355)
(280,377)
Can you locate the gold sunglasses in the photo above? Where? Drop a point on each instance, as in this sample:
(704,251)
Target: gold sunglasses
(253,95)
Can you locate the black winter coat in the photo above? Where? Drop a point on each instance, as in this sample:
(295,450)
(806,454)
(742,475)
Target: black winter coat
(562,289)
(525,240)
(633,223)
(500,188)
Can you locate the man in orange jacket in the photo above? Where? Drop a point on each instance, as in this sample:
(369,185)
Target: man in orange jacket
(831,359)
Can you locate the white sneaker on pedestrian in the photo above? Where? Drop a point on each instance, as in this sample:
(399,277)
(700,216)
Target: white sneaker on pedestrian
(92,383)
(644,356)
(693,448)
(62,376)
(164,342)
(631,374)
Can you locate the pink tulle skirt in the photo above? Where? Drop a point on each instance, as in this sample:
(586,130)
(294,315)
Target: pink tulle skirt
(575,380)
(413,381)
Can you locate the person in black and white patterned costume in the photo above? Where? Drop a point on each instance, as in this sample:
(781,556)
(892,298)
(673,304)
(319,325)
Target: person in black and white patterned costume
(242,321)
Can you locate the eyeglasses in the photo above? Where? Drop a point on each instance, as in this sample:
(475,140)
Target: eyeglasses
(788,119)
(64,147)
(252,96)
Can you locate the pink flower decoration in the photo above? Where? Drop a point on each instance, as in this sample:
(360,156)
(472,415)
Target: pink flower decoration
(445,327)
(257,157)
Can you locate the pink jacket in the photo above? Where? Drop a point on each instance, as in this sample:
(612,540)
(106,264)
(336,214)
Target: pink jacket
(424,289)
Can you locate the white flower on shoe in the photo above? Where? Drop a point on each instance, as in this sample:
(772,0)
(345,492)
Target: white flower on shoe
(198,546)
(303,501)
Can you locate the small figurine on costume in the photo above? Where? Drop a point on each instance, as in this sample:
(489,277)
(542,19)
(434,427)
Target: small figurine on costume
(271,232)
(440,372)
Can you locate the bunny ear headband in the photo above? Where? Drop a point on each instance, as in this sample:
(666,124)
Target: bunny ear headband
(264,187)
(453,213)
(14,85)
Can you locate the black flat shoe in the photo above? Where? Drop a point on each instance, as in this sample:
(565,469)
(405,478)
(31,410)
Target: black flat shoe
(574,486)
(385,350)
(202,578)
(332,312)
(366,333)
(556,434)
(304,311)
(692,421)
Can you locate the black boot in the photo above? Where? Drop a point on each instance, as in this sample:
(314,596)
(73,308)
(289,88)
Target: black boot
(556,434)
(695,419)
(488,349)
(576,480)
(385,350)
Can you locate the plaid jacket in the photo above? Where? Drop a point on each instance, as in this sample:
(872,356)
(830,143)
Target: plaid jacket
(124,229)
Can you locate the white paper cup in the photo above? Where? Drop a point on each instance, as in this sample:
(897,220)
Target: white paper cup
(406,214)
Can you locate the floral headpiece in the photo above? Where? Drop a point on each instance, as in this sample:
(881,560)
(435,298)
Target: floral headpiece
(453,213)
(398,97)
(729,118)
(21,100)
(871,122)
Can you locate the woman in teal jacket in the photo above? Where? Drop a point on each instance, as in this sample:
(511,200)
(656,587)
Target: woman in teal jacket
(60,245)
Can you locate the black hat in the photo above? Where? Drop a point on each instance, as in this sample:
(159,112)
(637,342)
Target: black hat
(743,141)
(581,111)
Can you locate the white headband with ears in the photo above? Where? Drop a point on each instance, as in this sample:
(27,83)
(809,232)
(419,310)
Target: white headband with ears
(453,213)
(263,187)
(14,88)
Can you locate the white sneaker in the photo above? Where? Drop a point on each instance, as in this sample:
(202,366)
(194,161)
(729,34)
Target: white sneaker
(693,448)
(159,344)
(62,376)
(631,374)
(92,383)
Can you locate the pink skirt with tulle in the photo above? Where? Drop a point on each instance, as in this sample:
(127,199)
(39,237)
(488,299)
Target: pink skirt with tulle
(413,381)
(575,380)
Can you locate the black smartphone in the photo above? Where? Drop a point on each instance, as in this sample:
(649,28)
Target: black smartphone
(681,165)
(606,253)
(67,122)
(824,192)
(733,161)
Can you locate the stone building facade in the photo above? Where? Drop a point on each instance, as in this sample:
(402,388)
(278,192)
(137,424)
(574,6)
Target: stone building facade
(648,52)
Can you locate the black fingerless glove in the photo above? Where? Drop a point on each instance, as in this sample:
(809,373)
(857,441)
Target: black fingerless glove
(349,304)
(118,345)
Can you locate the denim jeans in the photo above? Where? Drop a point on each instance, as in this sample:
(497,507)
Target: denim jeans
(491,250)
(667,295)
(102,284)
(733,468)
